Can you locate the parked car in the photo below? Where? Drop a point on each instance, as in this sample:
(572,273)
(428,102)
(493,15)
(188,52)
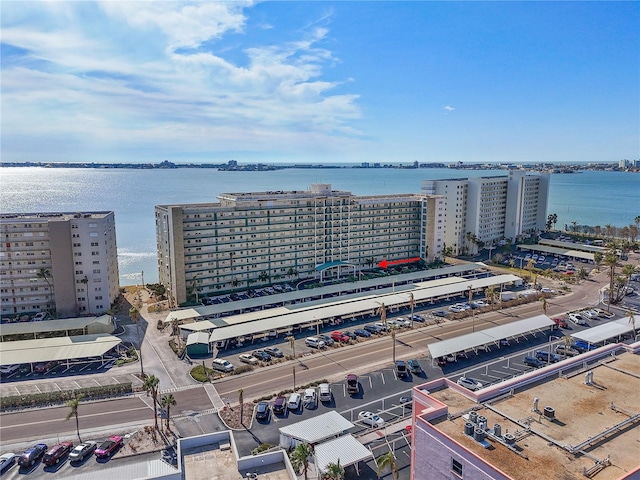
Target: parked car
(547,357)
(371,419)
(6,461)
(280,405)
(373,329)
(274,352)
(352,384)
(32,455)
(417,318)
(401,369)
(56,453)
(439,313)
(469,383)
(560,322)
(564,350)
(590,314)
(261,355)
(414,366)
(222,365)
(248,358)
(577,319)
(340,337)
(9,369)
(328,341)
(310,399)
(361,332)
(382,326)
(325,392)
(44,367)
(442,361)
(108,447)
(262,411)
(349,334)
(604,313)
(314,342)
(294,402)
(406,401)
(83,450)
(533,362)
(456,308)
(583,346)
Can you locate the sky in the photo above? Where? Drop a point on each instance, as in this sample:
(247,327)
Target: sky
(319,82)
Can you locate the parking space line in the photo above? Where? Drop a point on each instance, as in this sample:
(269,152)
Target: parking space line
(115,380)
(381,376)
(39,391)
(493,376)
(97,382)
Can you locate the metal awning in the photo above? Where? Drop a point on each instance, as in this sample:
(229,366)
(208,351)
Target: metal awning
(198,337)
(57,348)
(346,450)
(559,251)
(57,325)
(318,428)
(605,331)
(489,336)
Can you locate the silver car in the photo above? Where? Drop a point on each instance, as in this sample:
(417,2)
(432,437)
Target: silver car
(469,383)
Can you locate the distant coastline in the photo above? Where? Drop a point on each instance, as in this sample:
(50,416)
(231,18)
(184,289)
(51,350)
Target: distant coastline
(232,165)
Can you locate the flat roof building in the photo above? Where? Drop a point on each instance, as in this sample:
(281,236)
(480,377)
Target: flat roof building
(62,263)
(573,419)
(257,238)
(490,209)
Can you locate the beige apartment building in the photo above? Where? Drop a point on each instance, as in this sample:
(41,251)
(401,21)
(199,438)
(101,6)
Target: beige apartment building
(62,263)
(491,209)
(261,237)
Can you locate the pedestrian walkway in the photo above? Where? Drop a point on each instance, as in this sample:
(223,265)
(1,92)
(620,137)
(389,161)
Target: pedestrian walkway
(216,401)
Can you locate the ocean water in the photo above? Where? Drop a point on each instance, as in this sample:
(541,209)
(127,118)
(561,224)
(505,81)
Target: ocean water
(589,198)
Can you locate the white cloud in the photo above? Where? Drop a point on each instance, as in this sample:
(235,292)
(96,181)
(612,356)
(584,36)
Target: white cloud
(448,108)
(116,75)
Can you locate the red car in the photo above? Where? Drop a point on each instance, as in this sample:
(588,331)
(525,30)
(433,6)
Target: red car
(340,337)
(56,453)
(108,447)
(560,322)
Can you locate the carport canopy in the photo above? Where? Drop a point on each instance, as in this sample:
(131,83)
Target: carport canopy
(318,428)
(56,348)
(605,331)
(345,449)
(559,251)
(489,336)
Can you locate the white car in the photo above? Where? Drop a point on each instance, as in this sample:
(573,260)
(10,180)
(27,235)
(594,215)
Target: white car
(6,460)
(309,399)
(371,419)
(469,383)
(456,308)
(294,402)
(547,290)
(383,326)
(592,314)
(577,319)
(248,358)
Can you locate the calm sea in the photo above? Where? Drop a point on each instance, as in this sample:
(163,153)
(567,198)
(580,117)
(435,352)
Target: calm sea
(589,198)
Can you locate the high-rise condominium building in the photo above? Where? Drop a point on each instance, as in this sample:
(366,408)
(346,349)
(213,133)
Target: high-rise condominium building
(491,209)
(63,263)
(258,238)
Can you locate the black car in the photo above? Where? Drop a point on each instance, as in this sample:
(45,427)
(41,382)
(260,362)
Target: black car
(414,366)
(361,332)
(274,352)
(262,411)
(262,355)
(372,328)
(349,334)
(328,341)
(401,369)
(439,313)
(32,455)
(545,356)
(280,405)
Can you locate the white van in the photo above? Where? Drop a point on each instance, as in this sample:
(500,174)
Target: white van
(325,392)
(314,342)
(222,365)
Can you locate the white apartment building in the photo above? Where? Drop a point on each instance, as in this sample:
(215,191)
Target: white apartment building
(261,237)
(62,263)
(490,209)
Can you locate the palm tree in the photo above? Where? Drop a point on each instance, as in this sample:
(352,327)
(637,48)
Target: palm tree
(530,264)
(335,471)
(167,402)
(73,405)
(610,260)
(241,402)
(292,343)
(632,322)
(300,458)
(388,460)
(568,341)
(151,385)
(545,305)
(597,259)
(45,274)
(382,311)
(393,339)
(412,304)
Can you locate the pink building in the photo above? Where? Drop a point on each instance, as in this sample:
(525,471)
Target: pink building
(579,418)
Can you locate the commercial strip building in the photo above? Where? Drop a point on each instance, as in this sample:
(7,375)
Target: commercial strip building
(62,263)
(491,209)
(578,417)
(258,238)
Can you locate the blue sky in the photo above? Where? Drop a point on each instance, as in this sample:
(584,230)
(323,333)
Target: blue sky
(143,81)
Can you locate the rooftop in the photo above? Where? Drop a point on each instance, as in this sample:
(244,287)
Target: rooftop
(592,423)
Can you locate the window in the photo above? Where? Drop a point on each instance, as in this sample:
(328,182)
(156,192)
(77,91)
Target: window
(456,467)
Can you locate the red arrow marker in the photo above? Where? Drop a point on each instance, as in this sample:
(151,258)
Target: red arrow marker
(386,263)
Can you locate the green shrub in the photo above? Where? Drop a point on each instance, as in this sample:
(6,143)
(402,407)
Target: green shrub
(242,369)
(59,397)
(261,448)
(201,374)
